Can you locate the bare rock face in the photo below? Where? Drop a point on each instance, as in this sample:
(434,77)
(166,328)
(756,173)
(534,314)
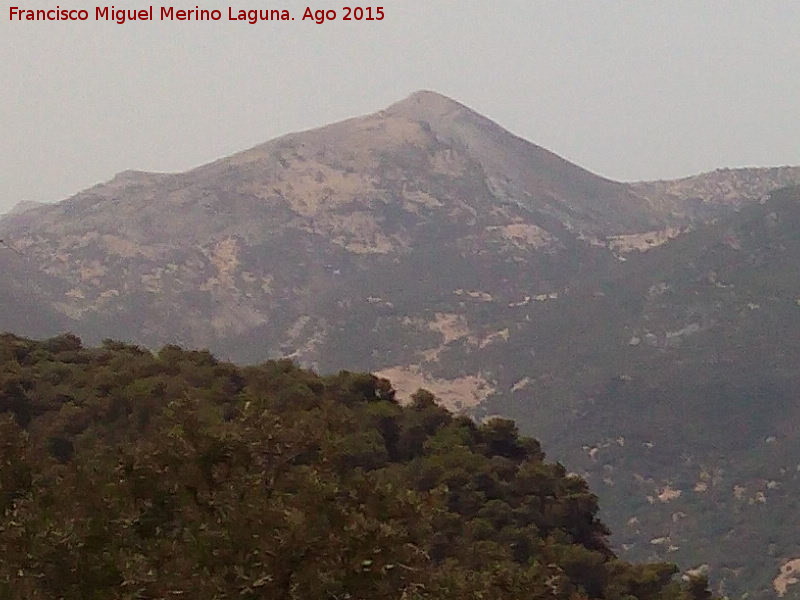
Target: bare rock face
(428,244)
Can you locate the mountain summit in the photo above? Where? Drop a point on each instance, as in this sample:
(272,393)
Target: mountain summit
(536,178)
(265,252)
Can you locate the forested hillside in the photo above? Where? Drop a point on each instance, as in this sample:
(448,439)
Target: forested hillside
(670,383)
(125,474)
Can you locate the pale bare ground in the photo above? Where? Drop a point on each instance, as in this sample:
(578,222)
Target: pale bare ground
(91,272)
(521,384)
(318,188)
(414,199)
(224,256)
(360,233)
(124,247)
(455,394)
(668,494)
(451,326)
(476,294)
(788,576)
(307,353)
(448,162)
(316,178)
(297,328)
(643,241)
(523,235)
(497,336)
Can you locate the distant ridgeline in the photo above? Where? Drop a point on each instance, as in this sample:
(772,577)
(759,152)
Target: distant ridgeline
(125,474)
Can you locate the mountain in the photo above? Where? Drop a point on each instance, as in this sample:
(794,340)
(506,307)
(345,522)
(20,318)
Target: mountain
(427,244)
(373,223)
(265,252)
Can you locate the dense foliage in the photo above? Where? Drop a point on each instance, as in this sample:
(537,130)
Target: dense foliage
(125,474)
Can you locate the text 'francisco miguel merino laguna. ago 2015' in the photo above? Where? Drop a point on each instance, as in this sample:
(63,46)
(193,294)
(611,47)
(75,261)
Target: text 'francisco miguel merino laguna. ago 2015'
(171,13)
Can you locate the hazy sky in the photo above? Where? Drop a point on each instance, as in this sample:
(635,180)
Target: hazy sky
(630,90)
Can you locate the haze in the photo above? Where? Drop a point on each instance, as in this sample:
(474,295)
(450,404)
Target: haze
(629,91)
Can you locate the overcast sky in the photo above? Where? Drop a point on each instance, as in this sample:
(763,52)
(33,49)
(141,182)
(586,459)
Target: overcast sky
(629,90)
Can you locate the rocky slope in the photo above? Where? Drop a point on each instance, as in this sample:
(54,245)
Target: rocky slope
(393,219)
(715,192)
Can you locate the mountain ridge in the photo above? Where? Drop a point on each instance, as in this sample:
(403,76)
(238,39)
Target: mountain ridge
(455,122)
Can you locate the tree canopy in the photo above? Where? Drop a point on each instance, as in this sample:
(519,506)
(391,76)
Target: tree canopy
(128,474)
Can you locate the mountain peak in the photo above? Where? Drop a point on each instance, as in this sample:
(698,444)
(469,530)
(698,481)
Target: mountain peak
(424,104)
